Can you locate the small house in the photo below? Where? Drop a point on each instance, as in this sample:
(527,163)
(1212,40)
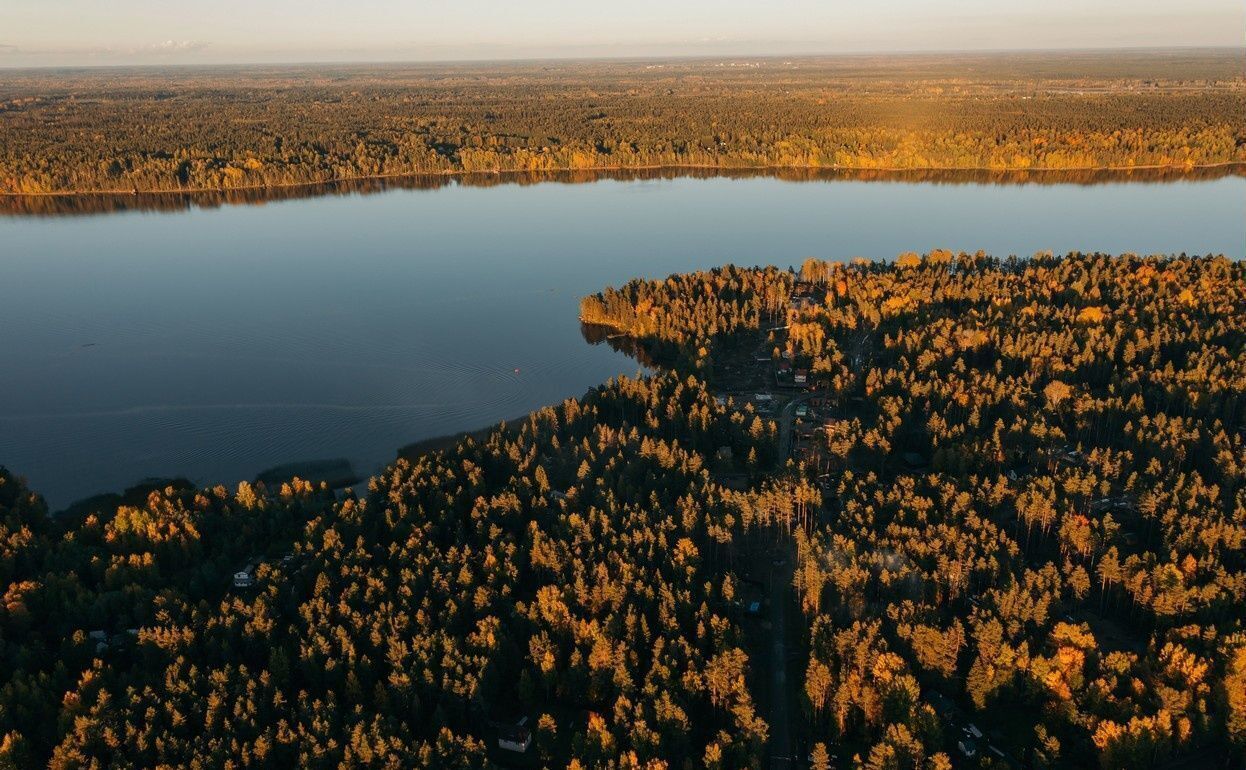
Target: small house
(967,747)
(801,377)
(516,737)
(245,577)
(100,637)
(1122,504)
(1073,457)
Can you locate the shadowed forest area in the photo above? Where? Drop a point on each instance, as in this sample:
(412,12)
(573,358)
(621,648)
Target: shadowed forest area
(1016,533)
(143,130)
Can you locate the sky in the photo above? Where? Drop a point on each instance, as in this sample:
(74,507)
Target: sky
(112,32)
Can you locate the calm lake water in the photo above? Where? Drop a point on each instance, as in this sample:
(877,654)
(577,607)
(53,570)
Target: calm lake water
(215,343)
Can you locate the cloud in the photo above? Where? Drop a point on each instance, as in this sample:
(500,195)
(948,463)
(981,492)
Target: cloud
(162,52)
(177,46)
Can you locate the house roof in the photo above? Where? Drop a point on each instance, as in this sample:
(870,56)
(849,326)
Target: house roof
(515,733)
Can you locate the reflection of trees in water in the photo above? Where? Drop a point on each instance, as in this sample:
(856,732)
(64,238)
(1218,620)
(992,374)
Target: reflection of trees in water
(93,203)
(596,334)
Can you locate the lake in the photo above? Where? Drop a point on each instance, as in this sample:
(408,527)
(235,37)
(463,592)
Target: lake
(213,343)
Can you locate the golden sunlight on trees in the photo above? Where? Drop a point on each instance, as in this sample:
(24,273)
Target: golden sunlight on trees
(232,130)
(1091,315)
(1056,393)
(1015,521)
(1027,514)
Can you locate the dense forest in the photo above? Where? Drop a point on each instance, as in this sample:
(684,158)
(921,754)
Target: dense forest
(1022,510)
(567,569)
(1032,510)
(139,130)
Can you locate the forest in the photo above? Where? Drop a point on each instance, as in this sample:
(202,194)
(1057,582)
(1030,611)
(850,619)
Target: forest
(1029,507)
(143,130)
(1024,510)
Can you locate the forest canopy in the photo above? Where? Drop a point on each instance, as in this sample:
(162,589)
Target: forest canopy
(1023,508)
(141,129)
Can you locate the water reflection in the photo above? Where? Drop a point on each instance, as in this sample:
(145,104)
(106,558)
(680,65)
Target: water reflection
(596,334)
(109,203)
(210,344)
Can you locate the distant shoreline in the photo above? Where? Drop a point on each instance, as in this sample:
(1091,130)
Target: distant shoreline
(100,202)
(1178,169)
(675,56)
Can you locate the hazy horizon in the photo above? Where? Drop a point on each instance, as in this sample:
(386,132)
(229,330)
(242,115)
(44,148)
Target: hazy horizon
(572,57)
(144,32)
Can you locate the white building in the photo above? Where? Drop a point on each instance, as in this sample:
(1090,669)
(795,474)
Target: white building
(245,577)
